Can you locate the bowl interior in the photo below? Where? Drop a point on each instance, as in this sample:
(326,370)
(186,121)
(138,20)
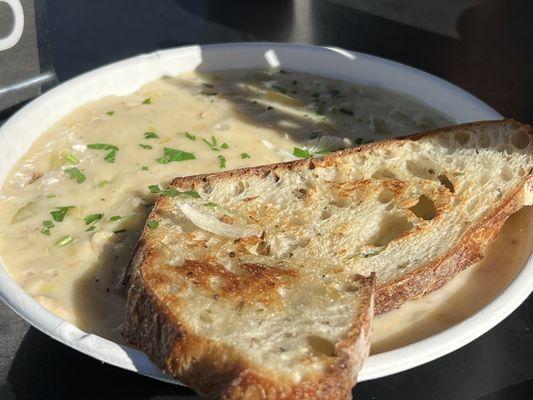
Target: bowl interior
(124,77)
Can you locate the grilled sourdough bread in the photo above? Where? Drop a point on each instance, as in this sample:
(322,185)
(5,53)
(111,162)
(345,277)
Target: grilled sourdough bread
(251,283)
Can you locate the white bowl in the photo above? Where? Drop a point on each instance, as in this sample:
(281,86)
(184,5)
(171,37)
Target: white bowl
(123,77)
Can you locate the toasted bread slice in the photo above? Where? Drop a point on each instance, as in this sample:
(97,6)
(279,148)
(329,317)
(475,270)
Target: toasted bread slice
(289,238)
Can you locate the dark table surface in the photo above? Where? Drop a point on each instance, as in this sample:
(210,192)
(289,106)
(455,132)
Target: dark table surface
(485,47)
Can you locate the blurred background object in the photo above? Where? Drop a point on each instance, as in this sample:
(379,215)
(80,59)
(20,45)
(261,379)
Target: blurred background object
(26,68)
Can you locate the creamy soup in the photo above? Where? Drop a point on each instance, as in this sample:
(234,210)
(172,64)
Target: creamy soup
(73,206)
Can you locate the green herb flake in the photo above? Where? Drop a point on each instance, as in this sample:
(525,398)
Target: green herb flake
(151,135)
(222,162)
(47,225)
(93,218)
(71,158)
(301,153)
(102,146)
(63,241)
(145,146)
(224,146)
(110,113)
(346,112)
(59,213)
(144,168)
(171,192)
(91,228)
(170,155)
(245,155)
(152,224)
(115,218)
(209,92)
(147,101)
(120,231)
(50,196)
(76,174)
(212,205)
(190,136)
(279,89)
(104,183)
(110,157)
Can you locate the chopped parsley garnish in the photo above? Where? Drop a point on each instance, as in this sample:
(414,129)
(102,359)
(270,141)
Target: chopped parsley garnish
(47,225)
(71,158)
(245,155)
(212,144)
(346,112)
(222,162)
(279,89)
(120,231)
(152,224)
(151,135)
(50,196)
(147,101)
(64,240)
(145,146)
(210,204)
(144,168)
(190,136)
(104,183)
(93,218)
(170,155)
(110,113)
(59,213)
(109,157)
(302,153)
(171,192)
(115,218)
(91,228)
(224,146)
(76,174)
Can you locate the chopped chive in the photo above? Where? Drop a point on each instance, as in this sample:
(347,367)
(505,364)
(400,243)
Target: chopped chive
(152,224)
(190,136)
(147,101)
(102,146)
(346,112)
(145,146)
(224,146)
(47,225)
(91,228)
(245,155)
(71,158)
(64,240)
(144,168)
(222,162)
(110,113)
(91,219)
(59,213)
(115,218)
(170,155)
(154,189)
(171,192)
(76,174)
(151,135)
(279,89)
(104,183)
(210,204)
(209,92)
(110,157)
(302,153)
(120,231)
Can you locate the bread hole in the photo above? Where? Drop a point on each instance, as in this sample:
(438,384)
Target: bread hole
(341,202)
(391,227)
(321,345)
(418,169)
(484,140)
(300,193)
(425,208)
(206,317)
(445,181)
(521,172)
(506,174)
(520,140)
(207,188)
(484,179)
(386,196)
(238,188)
(383,174)
(462,138)
(325,214)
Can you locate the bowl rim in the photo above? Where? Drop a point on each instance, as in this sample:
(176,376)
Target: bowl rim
(378,365)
